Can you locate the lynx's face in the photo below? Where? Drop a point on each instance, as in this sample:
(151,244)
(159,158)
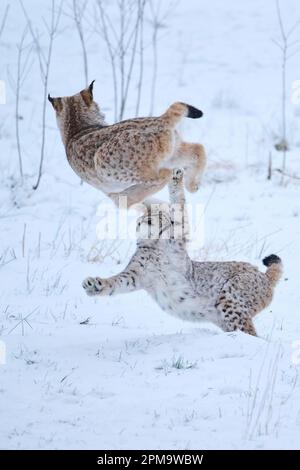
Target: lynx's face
(74,113)
(155,225)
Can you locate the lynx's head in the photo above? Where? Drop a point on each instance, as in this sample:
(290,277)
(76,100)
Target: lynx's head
(155,224)
(76,113)
(162,221)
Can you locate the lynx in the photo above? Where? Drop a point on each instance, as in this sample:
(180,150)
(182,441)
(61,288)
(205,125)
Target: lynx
(132,158)
(228,294)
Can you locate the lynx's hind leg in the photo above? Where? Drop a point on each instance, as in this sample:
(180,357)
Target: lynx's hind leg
(192,158)
(233,320)
(197,161)
(233,311)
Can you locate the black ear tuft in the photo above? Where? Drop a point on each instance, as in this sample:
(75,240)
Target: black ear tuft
(50,99)
(91,86)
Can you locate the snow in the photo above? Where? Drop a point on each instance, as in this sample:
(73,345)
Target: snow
(118,373)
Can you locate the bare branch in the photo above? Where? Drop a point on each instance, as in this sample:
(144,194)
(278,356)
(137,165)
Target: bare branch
(141,52)
(78,16)
(294,43)
(286,53)
(20,72)
(123,36)
(3,22)
(282,30)
(131,63)
(287,174)
(23,68)
(111,54)
(51,28)
(277,44)
(35,37)
(293,53)
(292,29)
(158,17)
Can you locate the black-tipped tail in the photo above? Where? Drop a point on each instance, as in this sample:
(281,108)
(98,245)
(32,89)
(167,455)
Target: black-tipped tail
(271,259)
(274,269)
(193,113)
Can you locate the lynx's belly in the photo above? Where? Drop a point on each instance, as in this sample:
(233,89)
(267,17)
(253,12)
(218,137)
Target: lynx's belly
(104,180)
(176,296)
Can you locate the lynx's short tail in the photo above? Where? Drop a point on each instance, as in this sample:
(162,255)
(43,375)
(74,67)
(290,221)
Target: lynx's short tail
(178,110)
(274,271)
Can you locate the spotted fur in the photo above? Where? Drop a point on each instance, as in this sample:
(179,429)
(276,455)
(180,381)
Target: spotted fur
(132,158)
(229,294)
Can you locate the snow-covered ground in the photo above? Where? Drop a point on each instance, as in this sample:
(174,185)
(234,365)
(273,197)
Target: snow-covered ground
(119,373)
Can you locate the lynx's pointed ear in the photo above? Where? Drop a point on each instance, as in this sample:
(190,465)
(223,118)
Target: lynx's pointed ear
(87,94)
(56,103)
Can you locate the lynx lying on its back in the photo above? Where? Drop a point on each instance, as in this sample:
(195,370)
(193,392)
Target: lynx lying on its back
(228,294)
(132,158)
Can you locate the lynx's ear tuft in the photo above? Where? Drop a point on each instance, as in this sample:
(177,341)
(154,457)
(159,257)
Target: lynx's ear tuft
(91,86)
(50,99)
(87,94)
(56,103)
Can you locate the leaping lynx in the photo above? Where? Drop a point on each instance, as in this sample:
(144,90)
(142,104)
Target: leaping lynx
(228,294)
(133,158)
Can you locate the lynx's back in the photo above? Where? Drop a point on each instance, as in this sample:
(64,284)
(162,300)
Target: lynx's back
(133,158)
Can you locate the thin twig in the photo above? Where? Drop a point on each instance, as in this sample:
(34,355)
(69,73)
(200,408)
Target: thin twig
(131,63)
(285,47)
(78,15)
(111,54)
(157,18)
(287,174)
(4,18)
(22,70)
(124,40)
(141,51)
(45,63)
(23,240)
(269,177)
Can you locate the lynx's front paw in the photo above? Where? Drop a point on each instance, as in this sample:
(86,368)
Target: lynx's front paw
(93,286)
